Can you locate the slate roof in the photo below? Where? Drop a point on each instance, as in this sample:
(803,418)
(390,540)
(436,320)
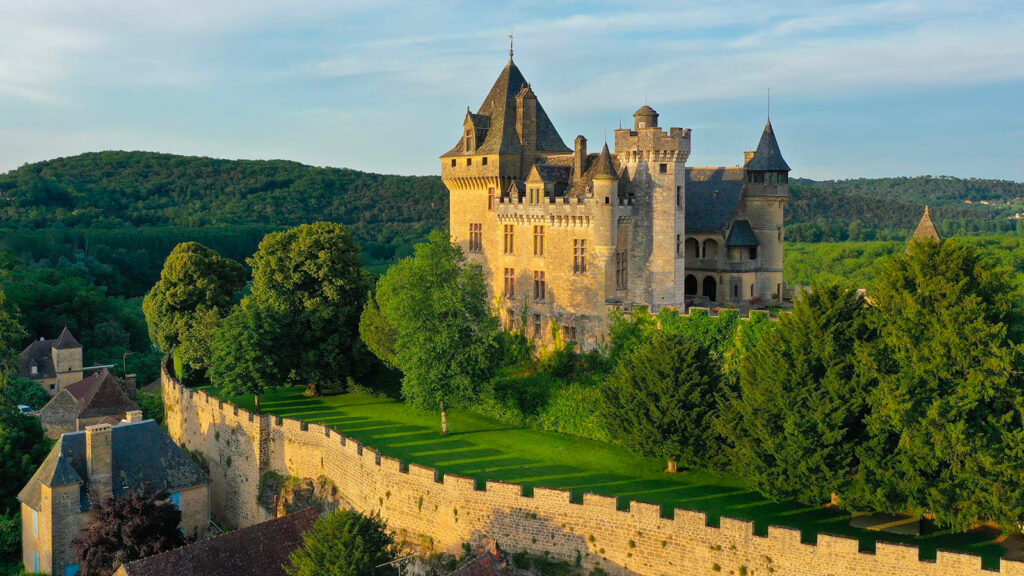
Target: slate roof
(500,108)
(741,234)
(141,452)
(604,168)
(711,197)
(259,550)
(39,354)
(66,340)
(768,156)
(100,394)
(926,228)
(553,173)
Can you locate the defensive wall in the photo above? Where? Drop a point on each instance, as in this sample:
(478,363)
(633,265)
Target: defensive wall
(445,511)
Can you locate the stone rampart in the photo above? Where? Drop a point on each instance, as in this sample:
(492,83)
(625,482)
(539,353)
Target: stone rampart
(445,511)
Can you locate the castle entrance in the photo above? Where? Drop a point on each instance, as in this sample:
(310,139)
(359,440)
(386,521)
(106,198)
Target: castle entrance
(690,285)
(710,288)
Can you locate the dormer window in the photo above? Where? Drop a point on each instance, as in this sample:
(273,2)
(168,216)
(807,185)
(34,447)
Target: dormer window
(35,370)
(469,140)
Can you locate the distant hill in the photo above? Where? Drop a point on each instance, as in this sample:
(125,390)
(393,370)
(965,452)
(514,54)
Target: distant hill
(134,189)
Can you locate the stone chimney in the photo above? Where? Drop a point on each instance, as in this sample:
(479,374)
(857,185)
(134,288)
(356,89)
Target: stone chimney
(133,416)
(99,461)
(579,162)
(526,126)
(747,157)
(131,385)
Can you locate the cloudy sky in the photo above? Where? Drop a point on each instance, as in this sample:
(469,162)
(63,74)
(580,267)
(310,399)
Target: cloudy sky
(905,87)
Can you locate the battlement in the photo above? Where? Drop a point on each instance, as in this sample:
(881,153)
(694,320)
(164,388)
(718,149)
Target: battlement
(448,510)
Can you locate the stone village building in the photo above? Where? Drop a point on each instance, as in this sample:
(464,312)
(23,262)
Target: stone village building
(565,235)
(90,466)
(101,397)
(53,363)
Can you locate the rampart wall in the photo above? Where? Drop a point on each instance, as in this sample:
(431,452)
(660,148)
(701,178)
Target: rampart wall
(446,511)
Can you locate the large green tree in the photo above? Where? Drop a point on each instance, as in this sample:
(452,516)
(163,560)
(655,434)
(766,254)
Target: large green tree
(945,415)
(22,449)
(345,543)
(11,335)
(196,289)
(796,420)
(311,279)
(246,352)
(444,335)
(661,399)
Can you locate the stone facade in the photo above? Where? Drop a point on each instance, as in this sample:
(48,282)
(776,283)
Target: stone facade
(54,363)
(98,398)
(564,236)
(446,511)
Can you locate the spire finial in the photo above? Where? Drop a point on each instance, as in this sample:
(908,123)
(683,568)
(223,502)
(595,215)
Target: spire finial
(511,43)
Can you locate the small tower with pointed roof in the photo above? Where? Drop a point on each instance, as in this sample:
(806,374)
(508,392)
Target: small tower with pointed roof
(926,229)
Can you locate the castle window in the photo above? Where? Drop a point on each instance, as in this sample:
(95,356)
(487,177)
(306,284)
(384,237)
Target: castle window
(510,238)
(679,245)
(476,238)
(539,286)
(621,270)
(536,325)
(579,256)
(511,319)
(751,291)
(490,198)
(735,291)
(569,332)
(484,160)
(679,196)
(510,283)
(663,168)
(753,252)
(538,240)
(469,141)
(469,161)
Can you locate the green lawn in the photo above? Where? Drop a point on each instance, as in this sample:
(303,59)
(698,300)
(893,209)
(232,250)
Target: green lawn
(486,449)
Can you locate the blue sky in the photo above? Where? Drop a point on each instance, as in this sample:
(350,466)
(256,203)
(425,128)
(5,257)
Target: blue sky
(858,88)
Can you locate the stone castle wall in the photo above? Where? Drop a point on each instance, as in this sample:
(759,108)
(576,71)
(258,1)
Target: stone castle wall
(445,511)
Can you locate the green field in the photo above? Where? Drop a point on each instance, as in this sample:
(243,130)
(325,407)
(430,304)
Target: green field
(487,449)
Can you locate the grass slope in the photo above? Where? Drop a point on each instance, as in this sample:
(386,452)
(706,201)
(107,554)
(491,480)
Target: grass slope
(486,449)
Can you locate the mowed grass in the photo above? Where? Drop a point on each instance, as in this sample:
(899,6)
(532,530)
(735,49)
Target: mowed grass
(487,449)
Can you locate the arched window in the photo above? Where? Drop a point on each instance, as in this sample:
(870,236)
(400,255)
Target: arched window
(710,288)
(693,247)
(710,249)
(690,285)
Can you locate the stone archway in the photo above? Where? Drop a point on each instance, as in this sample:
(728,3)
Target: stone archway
(710,288)
(690,285)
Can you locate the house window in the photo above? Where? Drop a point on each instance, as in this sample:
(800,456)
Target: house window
(579,256)
(35,523)
(510,238)
(538,286)
(35,370)
(490,197)
(569,332)
(753,252)
(35,561)
(53,386)
(538,240)
(176,499)
(663,168)
(621,270)
(476,238)
(510,283)
(484,160)
(536,325)
(71,570)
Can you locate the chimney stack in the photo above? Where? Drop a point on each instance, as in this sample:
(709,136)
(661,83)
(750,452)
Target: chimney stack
(131,385)
(579,158)
(133,416)
(99,461)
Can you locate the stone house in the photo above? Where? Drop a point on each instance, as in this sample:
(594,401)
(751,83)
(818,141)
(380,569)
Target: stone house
(101,462)
(99,398)
(565,236)
(259,550)
(53,363)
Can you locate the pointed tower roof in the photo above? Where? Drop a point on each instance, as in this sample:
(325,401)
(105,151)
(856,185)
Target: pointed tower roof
(66,340)
(768,157)
(500,107)
(604,168)
(926,228)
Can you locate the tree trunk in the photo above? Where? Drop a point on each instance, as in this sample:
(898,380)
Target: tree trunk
(672,467)
(444,419)
(258,404)
(314,389)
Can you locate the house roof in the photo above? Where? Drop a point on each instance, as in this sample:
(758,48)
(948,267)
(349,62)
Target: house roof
(258,550)
(40,354)
(926,228)
(741,234)
(500,108)
(141,453)
(711,197)
(492,562)
(100,394)
(768,156)
(66,340)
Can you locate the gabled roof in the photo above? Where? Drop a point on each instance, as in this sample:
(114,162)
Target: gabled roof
(550,173)
(100,394)
(767,156)
(40,355)
(500,108)
(258,550)
(711,197)
(926,228)
(141,453)
(741,234)
(66,340)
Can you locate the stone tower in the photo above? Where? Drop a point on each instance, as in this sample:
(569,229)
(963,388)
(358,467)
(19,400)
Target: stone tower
(765,193)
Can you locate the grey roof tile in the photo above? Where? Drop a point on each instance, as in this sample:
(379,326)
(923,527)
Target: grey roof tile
(712,195)
(741,234)
(768,157)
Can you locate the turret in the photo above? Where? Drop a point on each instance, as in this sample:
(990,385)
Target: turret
(765,193)
(645,118)
(766,165)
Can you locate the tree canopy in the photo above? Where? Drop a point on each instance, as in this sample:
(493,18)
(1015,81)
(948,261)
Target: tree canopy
(345,543)
(444,335)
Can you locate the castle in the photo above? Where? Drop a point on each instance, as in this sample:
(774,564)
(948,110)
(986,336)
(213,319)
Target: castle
(565,235)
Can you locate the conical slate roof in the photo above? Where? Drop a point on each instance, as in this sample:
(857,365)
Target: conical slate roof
(604,168)
(66,340)
(926,228)
(768,157)
(500,107)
